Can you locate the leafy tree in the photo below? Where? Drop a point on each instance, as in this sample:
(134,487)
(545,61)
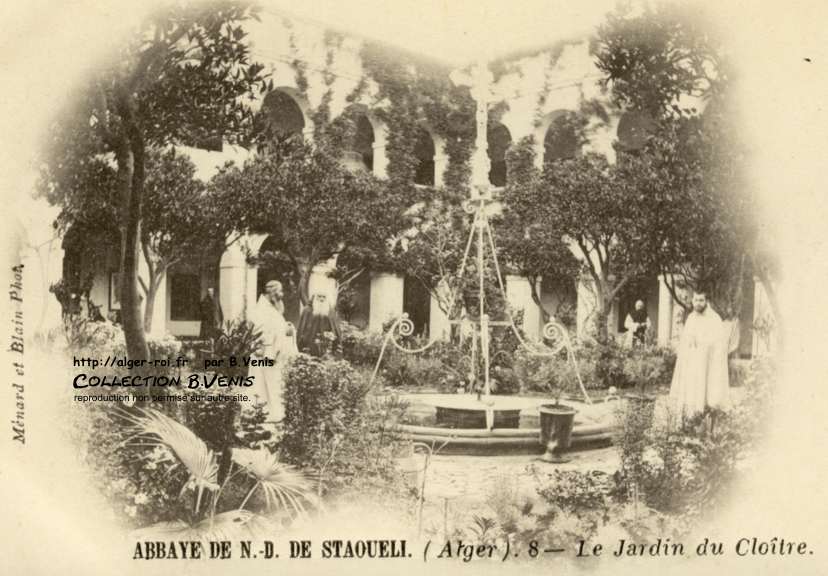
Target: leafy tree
(431,248)
(532,247)
(705,224)
(312,208)
(656,56)
(184,220)
(669,63)
(608,224)
(184,76)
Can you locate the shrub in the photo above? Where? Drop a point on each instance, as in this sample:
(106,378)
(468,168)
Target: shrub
(576,492)
(606,363)
(681,467)
(360,347)
(333,427)
(412,371)
(444,366)
(81,336)
(134,482)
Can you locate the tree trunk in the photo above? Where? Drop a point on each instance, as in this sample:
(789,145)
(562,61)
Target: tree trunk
(149,305)
(304,269)
(131,169)
(601,325)
(602,312)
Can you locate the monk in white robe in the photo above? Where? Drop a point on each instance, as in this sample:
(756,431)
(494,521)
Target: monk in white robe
(278,344)
(700,379)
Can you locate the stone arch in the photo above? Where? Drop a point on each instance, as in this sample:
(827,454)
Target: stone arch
(368,146)
(288,111)
(425,151)
(278,267)
(554,139)
(499,140)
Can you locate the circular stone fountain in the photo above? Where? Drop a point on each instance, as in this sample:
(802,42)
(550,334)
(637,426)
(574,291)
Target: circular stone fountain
(458,423)
(469,423)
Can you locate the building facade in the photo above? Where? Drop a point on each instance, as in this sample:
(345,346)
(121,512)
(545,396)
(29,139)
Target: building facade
(314,69)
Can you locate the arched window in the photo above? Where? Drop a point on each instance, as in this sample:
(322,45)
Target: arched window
(273,264)
(563,138)
(282,116)
(424,152)
(359,149)
(364,142)
(499,141)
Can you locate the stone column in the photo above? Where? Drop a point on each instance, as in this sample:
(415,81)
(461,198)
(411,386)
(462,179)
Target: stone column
(519,295)
(439,323)
(763,339)
(585,312)
(380,157)
(665,313)
(386,299)
(236,279)
(441,161)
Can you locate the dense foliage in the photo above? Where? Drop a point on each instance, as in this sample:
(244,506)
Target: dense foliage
(334,428)
(184,76)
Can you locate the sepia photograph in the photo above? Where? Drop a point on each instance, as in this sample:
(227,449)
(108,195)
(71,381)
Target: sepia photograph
(414,287)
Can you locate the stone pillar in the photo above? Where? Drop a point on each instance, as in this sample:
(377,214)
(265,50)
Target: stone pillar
(665,313)
(585,311)
(763,322)
(439,323)
(380,157)
(236,279)
(441,161)
(386,299)
(519,295)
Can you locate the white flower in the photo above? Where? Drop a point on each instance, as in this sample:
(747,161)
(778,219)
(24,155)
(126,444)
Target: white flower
(131,511)
(141,498)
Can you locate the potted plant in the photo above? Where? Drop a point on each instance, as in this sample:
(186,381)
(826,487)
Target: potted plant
(557,420)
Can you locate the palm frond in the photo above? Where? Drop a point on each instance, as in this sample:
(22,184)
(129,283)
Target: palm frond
(280,482)
(150,427)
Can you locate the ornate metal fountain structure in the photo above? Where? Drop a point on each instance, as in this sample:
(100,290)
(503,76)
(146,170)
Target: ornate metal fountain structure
(479,205)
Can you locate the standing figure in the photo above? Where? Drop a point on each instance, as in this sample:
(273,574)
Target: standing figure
(211,316)
(700,379)
(318,328)
(278,346)
(637,325)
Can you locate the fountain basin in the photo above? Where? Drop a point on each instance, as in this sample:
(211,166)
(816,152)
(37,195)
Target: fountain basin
(457,423)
